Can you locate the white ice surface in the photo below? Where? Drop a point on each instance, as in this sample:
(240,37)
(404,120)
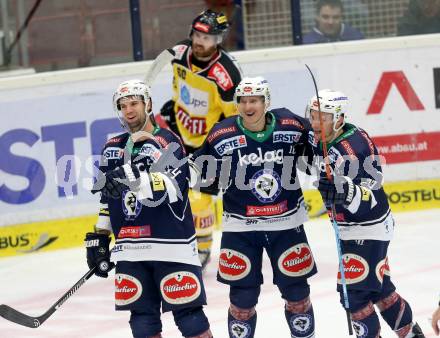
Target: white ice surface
(32,283)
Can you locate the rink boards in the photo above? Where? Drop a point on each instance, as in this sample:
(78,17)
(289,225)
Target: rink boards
(54,125)
(69,232)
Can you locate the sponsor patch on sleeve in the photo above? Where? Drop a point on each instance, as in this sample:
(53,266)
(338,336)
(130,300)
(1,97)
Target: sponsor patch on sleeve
(221,76)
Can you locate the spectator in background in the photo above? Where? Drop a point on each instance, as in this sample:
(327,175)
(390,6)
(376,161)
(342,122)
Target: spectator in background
(422,17)
(329,26)
(234,40)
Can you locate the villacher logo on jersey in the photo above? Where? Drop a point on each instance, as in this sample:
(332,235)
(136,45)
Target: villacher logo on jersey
(255,159)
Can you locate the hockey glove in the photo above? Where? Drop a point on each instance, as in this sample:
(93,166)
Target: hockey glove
(167,113)
(338,192)
(98,253)
(117,180)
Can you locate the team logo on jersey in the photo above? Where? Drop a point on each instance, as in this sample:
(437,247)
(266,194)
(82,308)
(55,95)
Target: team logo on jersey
(291,122)
(229,144)
(221,76)
(356,268)
(301,323)
(220,132)
(113,153)
(128,289)
(130,205)
(180,287)
(360,329)
(266,185)
(296,261)
(286,136)
(194,125)
(266,210)
(233,265)
(239,329)
(382,268)
(260,158)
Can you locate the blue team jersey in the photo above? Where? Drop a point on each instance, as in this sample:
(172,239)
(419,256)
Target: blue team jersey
(354,155)
(256,171)
(160,228)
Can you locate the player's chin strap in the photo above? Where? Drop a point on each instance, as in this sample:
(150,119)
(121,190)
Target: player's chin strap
(334,223)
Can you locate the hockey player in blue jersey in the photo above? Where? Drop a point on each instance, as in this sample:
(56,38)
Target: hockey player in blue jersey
(263,207)
(144,203)
(363,216)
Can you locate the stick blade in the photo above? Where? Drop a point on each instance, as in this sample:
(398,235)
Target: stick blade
(18,317)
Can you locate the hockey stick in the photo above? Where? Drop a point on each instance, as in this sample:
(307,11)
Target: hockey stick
(334,223)
(20,318)
(164,58)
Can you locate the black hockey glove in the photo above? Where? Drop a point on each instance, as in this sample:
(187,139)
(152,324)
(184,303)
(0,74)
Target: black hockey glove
(117,180)
(167,113)
(338,192)
(98,253)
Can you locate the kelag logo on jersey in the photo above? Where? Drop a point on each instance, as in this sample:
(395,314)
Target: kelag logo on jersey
(266,185)
(286,136)
(256,159)
(230,144)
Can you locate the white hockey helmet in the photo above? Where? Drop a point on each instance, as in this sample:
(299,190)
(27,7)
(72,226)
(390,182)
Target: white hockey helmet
(330,101)
(253,86)
(136,89)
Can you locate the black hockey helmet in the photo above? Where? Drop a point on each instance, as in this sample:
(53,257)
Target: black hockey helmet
(210,22)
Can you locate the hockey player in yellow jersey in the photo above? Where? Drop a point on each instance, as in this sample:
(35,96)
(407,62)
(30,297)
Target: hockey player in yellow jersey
(204,81)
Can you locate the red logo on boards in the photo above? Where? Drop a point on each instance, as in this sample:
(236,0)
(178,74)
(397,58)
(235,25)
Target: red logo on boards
(404,87)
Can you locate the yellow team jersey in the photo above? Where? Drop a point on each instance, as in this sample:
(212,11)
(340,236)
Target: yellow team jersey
(202,96)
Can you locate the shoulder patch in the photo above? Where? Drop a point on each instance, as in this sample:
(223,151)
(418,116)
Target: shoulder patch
(180,50)
(162,141)
(291,122)
(221,76)
(220,132)
(348,149)
(370,143)
(114,140)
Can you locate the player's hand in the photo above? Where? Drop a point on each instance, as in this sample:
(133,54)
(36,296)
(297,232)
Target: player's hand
(98,253)
(340,191)
(436,320)
(114,182)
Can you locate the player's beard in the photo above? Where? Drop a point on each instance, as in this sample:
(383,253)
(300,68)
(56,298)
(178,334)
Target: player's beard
(137,125)
(203,54)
